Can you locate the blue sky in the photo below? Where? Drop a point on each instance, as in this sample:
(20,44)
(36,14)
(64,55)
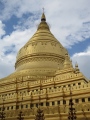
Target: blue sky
(69,22)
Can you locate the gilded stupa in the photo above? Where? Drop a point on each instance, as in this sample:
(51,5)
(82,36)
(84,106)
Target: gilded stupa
(44,77)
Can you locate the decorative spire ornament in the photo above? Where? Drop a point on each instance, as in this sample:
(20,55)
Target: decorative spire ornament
(76,68)
(72,112)
(43,10)
(67,62)
(40,114)
(20,116)
(2,113)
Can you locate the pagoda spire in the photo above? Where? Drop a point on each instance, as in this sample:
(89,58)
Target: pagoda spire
(43,18)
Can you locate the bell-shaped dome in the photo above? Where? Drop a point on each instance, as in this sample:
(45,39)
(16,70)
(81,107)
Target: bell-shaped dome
(42,54)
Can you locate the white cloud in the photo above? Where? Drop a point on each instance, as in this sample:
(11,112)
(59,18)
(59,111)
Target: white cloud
(6,65)
(65,17)
(70,18)
(2,31)
(83,60)
(18,8)
(16,38)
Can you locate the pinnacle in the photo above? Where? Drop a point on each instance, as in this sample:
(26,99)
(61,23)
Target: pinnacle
(43,18)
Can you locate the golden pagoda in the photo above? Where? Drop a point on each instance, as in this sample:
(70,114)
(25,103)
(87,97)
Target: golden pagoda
(44,77)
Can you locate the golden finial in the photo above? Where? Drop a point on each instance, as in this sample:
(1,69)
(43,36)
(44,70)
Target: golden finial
(43,10)
(43,18)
